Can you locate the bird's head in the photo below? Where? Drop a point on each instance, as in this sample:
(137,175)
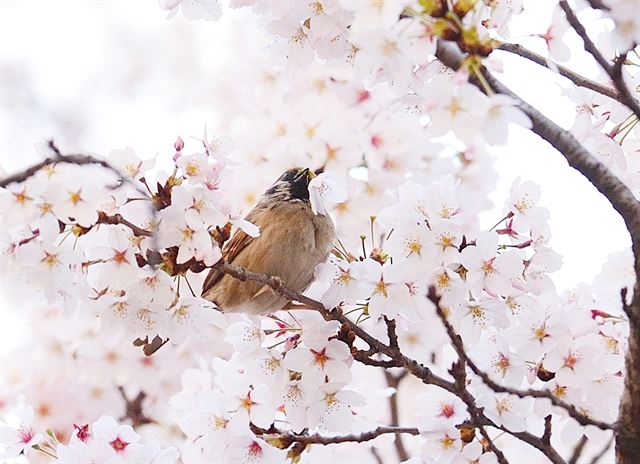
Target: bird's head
(292,185)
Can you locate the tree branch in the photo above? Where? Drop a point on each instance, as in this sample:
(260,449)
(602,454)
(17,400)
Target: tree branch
(574,77)
(614,71)
(287,438)
(415,368)
(458,388)
(133,408)
(494,449)
(58,157)
(578,449)
(104,218)
(598,5)
(496,387)
(394,382)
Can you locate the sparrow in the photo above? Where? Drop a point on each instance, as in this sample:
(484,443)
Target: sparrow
(292,242)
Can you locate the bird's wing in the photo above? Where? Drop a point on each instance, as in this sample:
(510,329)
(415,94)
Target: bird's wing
(232,249)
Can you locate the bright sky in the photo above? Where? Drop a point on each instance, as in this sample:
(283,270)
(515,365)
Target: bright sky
(98,75)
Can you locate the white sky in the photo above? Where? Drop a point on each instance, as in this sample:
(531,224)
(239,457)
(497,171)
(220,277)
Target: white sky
(60,58)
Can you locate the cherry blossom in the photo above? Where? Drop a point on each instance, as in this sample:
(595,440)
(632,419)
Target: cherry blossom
(325,188)
(17,433)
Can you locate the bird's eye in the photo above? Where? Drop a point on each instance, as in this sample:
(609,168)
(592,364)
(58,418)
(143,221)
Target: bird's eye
(301,173)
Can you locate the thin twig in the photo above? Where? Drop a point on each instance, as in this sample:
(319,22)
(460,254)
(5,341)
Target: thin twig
(104,218)
(578,449)
(546,435)
(614,71)
(574,77)
(499,454)
(458,387)
(288,438)
(58,157)
(598,5)
(133,408)
(391,332)
(376,455)
(394,382)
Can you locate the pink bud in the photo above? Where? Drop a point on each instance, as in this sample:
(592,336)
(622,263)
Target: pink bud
(363,95)
(179,144)
(596,312)
(291,342)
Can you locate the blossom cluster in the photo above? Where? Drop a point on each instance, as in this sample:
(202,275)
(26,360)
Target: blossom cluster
(83,239)
(497,293)
(289,371)
(104,440)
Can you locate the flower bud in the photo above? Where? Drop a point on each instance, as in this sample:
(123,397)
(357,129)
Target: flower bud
(179,144)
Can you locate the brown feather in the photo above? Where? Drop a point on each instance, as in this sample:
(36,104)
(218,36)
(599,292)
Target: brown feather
(233,247)
(292,242)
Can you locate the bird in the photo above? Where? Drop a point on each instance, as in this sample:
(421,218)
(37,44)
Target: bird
(292,242)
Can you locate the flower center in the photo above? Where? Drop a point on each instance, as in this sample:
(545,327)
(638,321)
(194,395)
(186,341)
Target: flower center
(381,288)
(50,259)
(320,357)
(447,442)
(540,332)
(446,410)
(25,434)
(218,422)
(191,169)
(255,449)
(571,360)
(120,257)
(74,197)
(22,197)
(119,445)
(443,280)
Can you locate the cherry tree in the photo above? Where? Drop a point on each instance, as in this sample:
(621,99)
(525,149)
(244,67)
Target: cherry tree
(425,337)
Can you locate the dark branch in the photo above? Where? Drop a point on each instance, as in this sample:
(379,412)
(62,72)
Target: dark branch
(287,438)
(546,436)
(598,5)
(578,449)
(614,71)
(391,332)
(104,218)
(394,382)
(574,77)
(376,346)
(133,408)
(80,160)
(494,449)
